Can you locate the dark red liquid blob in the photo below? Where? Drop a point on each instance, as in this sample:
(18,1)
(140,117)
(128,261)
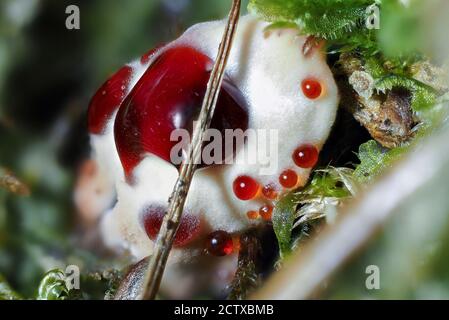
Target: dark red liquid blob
(167,97)
(311,88)
(245,188)
(288,179)
(219,243)
(266,212)
(188,230)
(306,156)
(269,192)
(108,99)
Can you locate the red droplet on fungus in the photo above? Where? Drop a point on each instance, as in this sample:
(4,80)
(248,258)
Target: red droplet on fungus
(266,212)
(311,88)
(288,179)
(219,243)
(269,191)
(306,156)
(245,188)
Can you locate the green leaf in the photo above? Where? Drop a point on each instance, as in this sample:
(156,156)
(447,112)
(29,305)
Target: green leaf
(328,19)
(6,292)
(327,190)
(53,286)
(328,184)
(281,25)
(283,219)
(423,96)
(374,159)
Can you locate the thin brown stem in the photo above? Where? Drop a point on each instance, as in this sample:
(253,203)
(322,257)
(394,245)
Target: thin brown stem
(177,200)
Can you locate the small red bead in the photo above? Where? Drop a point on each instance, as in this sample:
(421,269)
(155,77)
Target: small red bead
(269,192)
(245,188)
(252,215)
(266,212)
(306,156)
(288,178)
(219,243)
(311,88)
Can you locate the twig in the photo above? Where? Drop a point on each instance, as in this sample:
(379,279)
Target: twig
(177,200)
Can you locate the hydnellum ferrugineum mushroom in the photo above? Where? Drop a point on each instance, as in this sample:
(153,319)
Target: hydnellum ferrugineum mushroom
(271,83)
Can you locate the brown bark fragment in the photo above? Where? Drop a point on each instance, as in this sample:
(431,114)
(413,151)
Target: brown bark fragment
(387,117)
